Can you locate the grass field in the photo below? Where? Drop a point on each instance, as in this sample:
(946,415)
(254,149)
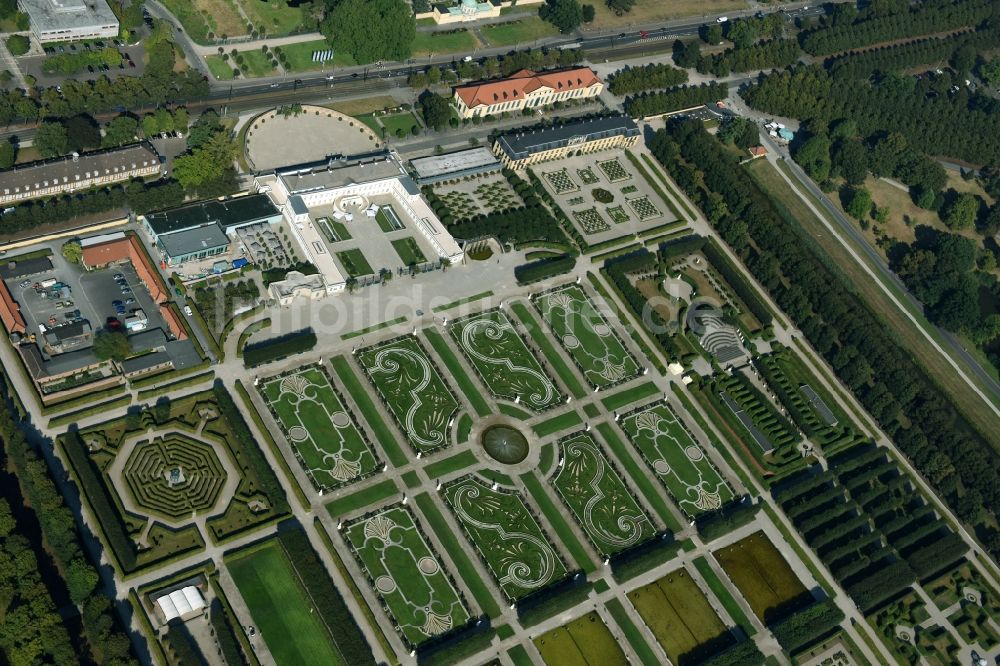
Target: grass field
(299,56)
(399,122)
(322,432)
(388,220)
(354,263)
(408,251)
(508,368)
(199,17)
(362,498)
(412,389)
(672,454)
(437,43)
(763,577)
(383,434)
(635,638)
(275,16)
(628,396)
(585,334)
(541,338)
(585,640)
(357,107)
(465,384)
(677,612)
(406,574)
(505,533)
(597,497)
(221,70)
(281,609)
(518,32)
(255,63)
(652,11)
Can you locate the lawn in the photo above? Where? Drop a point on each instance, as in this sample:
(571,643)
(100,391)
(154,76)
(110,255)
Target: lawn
(545,344)
(299,56)
(634,471)
(628,396)
(556,423)
(383,434)
(518,32)
(281,609)
(255,63)
(585,640)
(501,527)
(763,577)
(362,498)
(551,513)
(406,574)
(399,123)
(354,263)
(199,17)
(413,391)
(277,17)
(455,463)
(655,11)
(504,362)
(632,634)
(672,454)
(586,335)
(357,107)
(323,434)
(597,497)
(438,43)
(335,231)
(221,69)
(465,383)
(388,220)
(408,251)
(677,612)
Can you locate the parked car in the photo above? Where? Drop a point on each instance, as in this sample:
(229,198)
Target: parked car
(129,301)
(118,276)
(90,68)
(187,310)
(119,310)
(126,290)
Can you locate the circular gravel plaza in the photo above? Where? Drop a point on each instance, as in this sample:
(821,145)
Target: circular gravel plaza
(505,444)
(280,137)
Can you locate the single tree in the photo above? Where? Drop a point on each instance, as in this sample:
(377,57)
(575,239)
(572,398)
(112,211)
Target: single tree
(18,45)
(72,251)
(436,108)
(961,212)
(111,345)
(566,15)
(50,139)
(860,204)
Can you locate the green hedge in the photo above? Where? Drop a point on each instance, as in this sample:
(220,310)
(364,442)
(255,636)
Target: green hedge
(737,279)
(808,626)
(325,596)
(71,417)
(543,269)
(278,348)
(229,647)
(742,654)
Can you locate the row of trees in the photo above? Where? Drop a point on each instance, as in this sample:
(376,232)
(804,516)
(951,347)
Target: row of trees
(70,62)
(762,55)
(675,99)
(910,408)
(881,22)
(647,77)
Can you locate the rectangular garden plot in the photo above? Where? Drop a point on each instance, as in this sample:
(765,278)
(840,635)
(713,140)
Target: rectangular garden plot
(388,220)
(597,498)
(671,452)
(590,221)
(561,181)
(586,641)
(764,578)
(414,587)
(643,208)
(503,360)
(586,335)
(412,389)
(498,522)
(677,612)
(614,170)
(324,436)
(408,250)
(354,263)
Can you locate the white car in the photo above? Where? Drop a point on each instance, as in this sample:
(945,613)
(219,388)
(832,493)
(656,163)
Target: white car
(187,310)
(722,19)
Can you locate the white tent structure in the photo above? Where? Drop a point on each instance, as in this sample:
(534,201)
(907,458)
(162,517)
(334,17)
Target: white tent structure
(184,603)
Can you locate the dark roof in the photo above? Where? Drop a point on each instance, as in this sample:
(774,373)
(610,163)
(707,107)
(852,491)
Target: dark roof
(232,211)
(67,331)
(145,362)
(71,361)
(183,354)
(189,241)
(523,143)
(153,338)
(70,170)
(11,270)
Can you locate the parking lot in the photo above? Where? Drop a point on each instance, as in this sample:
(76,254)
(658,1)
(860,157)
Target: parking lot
(32,64)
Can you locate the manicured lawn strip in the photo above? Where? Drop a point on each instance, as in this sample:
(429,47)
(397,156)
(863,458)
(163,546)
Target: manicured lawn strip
(557,423)
(465,383)
(408,250)
(281,608)
(438,43)
(359,599)
(457,550)
(585,640)
(411,479)
(462,301)
(271,444)
(591,410)
(790,540)
(374,327)
(221,69)
(635,472)
(299,56)
(453,464)
(505,631)
(722,594)
(354,263)
(464,428)
(527,29)
(371,495)
(514,412)
(647,657)
(399,122)
(519,656)
(601,586)
(628,396)
(383,435)
(763,576)
(544,343)
(555,519)
(689,408)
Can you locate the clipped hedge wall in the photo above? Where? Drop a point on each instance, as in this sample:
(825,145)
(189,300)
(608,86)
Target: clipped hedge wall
(543,269)
(276,349)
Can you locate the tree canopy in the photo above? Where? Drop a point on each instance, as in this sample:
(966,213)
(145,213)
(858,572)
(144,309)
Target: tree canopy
(111,344)
(51,140)
(437,110)
(371,30)
(567,15)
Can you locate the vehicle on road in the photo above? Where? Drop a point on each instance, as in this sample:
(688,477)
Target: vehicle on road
(722,19)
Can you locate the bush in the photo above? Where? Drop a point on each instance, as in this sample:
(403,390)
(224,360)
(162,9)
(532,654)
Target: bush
(18,45)
(602,196)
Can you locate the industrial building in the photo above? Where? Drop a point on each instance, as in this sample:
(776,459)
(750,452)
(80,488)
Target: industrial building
(526,90)
(70,20)
(451,166)
(523,148)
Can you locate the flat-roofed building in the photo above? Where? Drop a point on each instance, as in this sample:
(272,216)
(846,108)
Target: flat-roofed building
(68,337)
(526,90)
(519,149)
(438,168)
(69,20)
(76,172)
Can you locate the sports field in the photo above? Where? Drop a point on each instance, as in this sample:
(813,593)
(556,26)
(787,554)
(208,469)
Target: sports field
(682,466)
(503,360)
(502,528)
(585,640)
(323,434)
(677,612)
(282,610)
(585,334)
(763,577)
(405,573)
(412,389)
(597,498)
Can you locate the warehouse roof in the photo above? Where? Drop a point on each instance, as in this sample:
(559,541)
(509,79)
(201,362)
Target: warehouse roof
(229,212)
(190,241)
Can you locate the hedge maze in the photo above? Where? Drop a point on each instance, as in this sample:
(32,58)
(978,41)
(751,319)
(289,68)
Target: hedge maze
(327,442)
(405,573)
(508,537)
(412,389)
(502,358)
(671,452)
(596,496)
(586,335)
(174,476)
